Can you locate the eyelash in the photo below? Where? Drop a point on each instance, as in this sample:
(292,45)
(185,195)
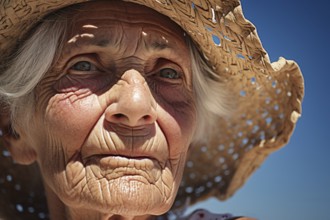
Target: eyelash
(162,65)
(95,67)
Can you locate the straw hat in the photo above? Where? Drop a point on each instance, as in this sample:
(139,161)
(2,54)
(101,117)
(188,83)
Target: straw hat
(269,96)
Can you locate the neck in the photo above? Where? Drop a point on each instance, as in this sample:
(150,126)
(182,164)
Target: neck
(58,210)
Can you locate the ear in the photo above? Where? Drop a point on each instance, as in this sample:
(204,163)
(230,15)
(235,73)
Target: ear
(17,145)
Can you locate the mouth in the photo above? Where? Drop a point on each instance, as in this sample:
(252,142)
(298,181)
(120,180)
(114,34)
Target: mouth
(142,168)
(126,161)
(119,159)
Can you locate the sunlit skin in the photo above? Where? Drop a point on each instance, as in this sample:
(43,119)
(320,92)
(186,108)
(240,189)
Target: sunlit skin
(115,115)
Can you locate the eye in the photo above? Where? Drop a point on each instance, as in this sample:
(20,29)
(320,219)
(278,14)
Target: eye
(169,73)
(83,66)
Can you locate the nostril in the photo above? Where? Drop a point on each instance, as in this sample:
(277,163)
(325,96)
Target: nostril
(130,121)
(146,117)
(118,116)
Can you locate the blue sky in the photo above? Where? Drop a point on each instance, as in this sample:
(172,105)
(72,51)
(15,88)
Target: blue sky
(294,182)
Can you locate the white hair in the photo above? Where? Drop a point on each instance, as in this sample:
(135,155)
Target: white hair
(212,96)
(31,62)
(38,53)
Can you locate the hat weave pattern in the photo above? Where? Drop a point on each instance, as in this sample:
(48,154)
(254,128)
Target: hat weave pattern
(268,95)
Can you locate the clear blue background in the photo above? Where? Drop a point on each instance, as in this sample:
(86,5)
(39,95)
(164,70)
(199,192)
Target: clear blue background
(294,182)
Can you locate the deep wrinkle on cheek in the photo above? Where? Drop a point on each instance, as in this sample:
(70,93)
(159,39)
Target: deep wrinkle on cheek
(67,109)
(71,122)
(77,101)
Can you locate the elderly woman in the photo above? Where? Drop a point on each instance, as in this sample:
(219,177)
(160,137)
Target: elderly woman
(121,103)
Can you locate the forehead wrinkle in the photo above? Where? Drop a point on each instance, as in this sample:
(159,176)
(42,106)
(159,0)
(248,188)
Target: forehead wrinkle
(117,43)
(86,39)
(113,35)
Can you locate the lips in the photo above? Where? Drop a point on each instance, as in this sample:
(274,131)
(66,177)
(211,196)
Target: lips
(142,169)
(112,161)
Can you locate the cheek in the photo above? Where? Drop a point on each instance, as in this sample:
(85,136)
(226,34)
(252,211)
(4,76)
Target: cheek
(178,124)
(70,118)
(177,116)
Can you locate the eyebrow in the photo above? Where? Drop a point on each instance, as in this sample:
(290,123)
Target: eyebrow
(101,43)
(159,45)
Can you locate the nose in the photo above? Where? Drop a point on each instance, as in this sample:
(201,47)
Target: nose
(133,104)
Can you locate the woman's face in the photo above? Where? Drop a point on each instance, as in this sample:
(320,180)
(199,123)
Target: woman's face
(116,114)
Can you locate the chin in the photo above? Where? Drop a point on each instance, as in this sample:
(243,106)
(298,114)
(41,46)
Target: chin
(134,197)
(125,196)
(155,203)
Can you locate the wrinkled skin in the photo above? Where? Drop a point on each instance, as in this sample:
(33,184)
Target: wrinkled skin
(115,115)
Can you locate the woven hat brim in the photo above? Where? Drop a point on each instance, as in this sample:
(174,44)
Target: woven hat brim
(269,94)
